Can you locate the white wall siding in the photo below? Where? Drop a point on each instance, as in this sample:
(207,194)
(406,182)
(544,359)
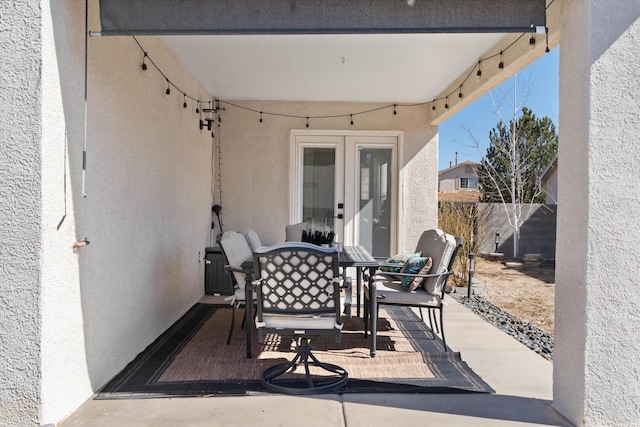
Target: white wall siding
(20,212)
(146,212)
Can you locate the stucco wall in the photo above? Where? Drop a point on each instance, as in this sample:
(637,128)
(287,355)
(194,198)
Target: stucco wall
(255,162)
(597,341)
(20,208)
(146,212)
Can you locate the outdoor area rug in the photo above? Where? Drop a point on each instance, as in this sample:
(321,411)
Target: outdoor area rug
(192,359)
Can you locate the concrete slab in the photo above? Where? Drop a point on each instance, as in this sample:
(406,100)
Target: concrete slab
(448,410)
(211,411)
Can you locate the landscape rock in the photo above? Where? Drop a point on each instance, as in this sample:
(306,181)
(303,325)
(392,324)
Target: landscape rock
(534,338)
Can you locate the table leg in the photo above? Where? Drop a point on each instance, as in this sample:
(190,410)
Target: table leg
(347,287)
(373,309)
(248,312)
(358,288)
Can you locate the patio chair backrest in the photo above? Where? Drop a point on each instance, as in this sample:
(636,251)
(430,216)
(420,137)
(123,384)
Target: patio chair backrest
(294,232)
(297,278)
(237,251)
(440,247)
(252,239)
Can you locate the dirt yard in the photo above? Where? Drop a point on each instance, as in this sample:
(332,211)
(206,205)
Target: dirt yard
(527,293)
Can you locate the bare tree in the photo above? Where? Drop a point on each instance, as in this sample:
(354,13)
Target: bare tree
(519,150)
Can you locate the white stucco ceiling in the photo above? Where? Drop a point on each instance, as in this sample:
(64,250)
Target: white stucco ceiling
(354,67)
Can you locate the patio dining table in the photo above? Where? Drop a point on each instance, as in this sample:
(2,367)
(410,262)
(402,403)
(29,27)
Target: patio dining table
(350,256)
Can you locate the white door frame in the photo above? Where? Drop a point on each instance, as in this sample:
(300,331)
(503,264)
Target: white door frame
(351,138)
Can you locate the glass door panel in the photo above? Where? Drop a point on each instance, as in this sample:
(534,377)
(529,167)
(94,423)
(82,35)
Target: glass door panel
(318,188)
(374,194)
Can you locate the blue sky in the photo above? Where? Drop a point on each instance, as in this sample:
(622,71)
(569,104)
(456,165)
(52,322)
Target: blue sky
(537,89)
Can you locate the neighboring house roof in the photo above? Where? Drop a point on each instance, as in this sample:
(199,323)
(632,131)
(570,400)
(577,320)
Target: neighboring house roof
(465,164)
(551,168)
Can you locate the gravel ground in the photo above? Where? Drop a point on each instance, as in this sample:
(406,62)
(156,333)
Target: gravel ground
(528,334)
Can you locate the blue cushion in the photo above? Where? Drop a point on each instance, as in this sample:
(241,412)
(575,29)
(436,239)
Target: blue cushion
(412,266)
(399,259)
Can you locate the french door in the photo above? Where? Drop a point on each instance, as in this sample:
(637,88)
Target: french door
(347,184)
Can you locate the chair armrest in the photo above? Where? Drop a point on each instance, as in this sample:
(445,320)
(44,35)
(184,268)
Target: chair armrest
(391,264)
(234,268)
(396,275)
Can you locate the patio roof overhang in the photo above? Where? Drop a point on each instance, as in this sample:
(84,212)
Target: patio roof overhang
(189,17)
(383,51)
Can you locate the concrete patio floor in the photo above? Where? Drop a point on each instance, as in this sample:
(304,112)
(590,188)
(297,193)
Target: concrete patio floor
(522,381)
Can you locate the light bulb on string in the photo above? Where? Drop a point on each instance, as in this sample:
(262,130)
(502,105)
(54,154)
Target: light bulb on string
(479,73)
(394,110)
(184,96)
(260,116)
(144,64)
(532,41)
(547,39)
(351,119)
(168,91)
(446,102)
(307,121)
(460,92)
(501,64)
(433,106)
(198,107)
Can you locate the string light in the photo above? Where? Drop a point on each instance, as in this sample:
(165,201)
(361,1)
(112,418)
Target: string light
(546,35)
(144,66)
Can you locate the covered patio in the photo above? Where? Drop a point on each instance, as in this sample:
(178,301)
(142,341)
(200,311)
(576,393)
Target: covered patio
(122,167)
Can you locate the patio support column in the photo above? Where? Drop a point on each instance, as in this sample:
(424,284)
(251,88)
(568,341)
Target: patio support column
(597,341)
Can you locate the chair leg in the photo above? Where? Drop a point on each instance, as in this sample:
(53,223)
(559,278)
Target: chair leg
(430,319)
(233,320)
(444,341)
(244,319)
(435,321)
(366,315)
(303,354)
